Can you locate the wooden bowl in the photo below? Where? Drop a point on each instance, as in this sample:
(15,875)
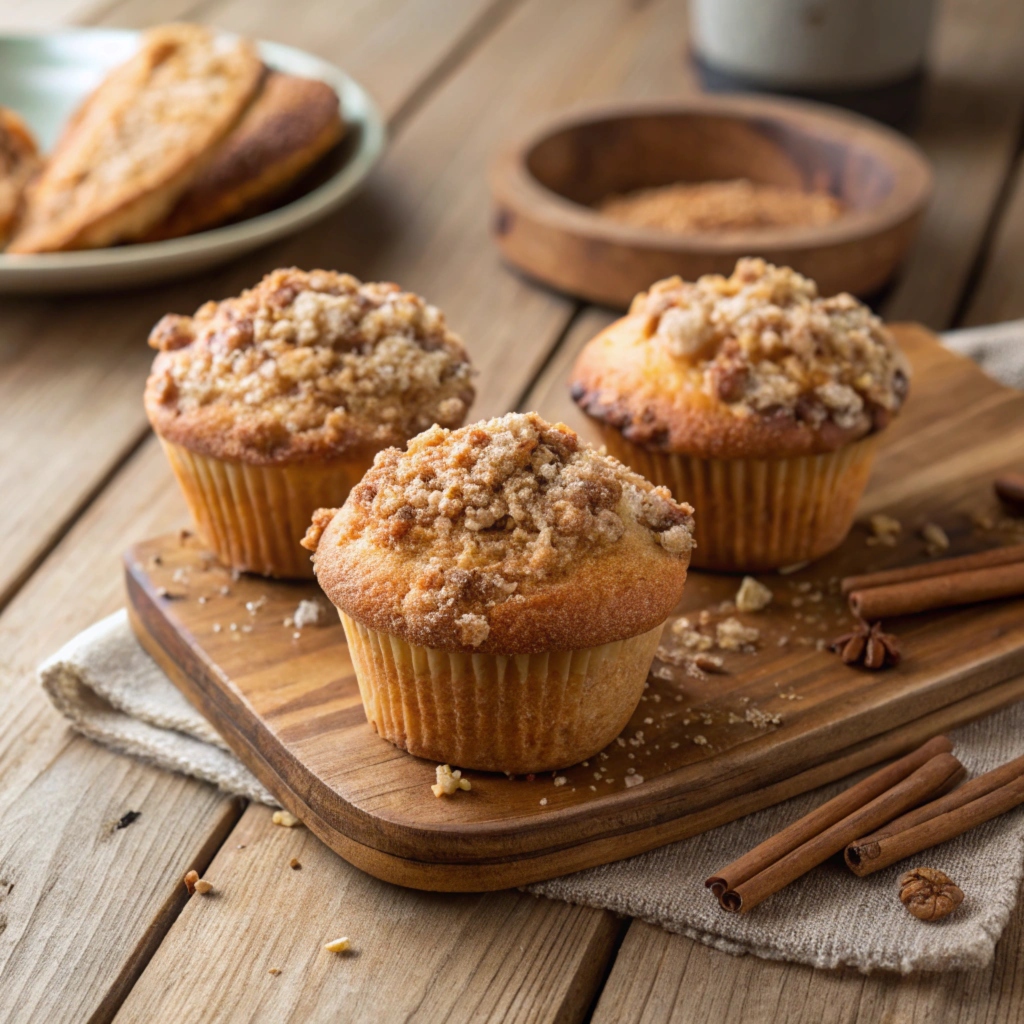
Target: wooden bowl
(545,184)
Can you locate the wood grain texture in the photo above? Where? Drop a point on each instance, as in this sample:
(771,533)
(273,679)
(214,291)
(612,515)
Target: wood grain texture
(289,705)
(416,957)
(661,978)
(547,183)
(974,103)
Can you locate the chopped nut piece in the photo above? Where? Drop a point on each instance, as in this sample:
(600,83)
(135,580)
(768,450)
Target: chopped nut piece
(285,818)
(734,636)
(274,970)
(190,880)
(884,530)
(928,894)
(341,945)
(752,595)
(935,538)
(203,886)
(309,613)
(294,864)
(449,782)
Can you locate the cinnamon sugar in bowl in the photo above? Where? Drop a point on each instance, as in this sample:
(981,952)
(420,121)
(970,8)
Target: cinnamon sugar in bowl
(503,588)
(273,404)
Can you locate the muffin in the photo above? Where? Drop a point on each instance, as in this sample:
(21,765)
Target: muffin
(753,398)
(19,160)
(273,404)
(503,589)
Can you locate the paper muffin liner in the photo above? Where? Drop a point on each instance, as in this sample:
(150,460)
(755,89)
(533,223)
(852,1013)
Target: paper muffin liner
(757,514)
(253,517)
(508,713)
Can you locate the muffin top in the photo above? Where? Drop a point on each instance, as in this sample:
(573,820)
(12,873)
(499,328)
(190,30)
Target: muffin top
(509,536)
(306,366)
(754,365)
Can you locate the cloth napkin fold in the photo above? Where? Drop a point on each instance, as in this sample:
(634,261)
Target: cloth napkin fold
(114,693)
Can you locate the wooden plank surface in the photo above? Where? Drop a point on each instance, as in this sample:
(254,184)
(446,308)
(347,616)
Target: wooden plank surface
(416,957)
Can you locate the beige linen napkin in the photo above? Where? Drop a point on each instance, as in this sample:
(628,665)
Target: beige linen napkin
(114,693)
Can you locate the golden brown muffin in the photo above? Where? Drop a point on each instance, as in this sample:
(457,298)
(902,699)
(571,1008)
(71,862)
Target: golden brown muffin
(287,128)
(753,398)
(503,588)
(19,160)
(139,140)
(272,402)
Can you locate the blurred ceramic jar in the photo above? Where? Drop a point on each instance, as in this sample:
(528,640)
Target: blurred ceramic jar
(869,55)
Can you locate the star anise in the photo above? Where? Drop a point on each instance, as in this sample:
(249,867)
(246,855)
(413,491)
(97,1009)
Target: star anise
(867,645)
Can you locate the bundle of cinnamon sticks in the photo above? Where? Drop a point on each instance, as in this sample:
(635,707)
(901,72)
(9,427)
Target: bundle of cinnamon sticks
(968,579)
(902,809)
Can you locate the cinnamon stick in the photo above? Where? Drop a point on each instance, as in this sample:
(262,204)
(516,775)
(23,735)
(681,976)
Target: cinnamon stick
(826,815)
(940,567)
(977,787)
(932,777)
(957,588)
(889,849)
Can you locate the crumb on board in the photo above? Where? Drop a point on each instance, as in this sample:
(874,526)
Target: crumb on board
(761,719)
(309,612)
(884,530)
(633,780)
(449,782)
(190,879)
(285,819)
(203,887)
(935,538)
(274,970)
(294,864)
(732,635)
(342,945)
(753,596)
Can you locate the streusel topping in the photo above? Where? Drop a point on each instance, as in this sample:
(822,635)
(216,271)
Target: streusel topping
(316,361)
(499,504)
(766,342)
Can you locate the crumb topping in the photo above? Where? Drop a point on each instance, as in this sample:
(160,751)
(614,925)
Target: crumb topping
(499,504)
(314,361)
(766,343)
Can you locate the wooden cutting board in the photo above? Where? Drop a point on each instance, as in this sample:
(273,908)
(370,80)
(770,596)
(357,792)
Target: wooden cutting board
(781,720)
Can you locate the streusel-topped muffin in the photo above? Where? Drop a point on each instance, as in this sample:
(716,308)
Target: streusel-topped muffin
(518,581)
(753,397)
(272,402)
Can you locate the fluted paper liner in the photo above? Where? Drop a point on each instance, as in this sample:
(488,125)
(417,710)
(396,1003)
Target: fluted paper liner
(509,713)
(756,514)
(253,517)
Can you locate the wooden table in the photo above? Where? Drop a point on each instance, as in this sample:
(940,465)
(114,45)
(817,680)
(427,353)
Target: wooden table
(94,924)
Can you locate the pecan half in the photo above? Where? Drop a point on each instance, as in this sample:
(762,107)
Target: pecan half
(929,895)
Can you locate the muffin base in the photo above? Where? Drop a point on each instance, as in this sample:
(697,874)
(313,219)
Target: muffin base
(758,514)
(253,517)
(503,713)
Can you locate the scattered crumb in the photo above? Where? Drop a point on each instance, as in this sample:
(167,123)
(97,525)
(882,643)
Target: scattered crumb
(762,719)
(294,864)
(341,945)
(449,782)
(309,613)
(190,880)
(935,538)
(884,530)
(285,818)
(633,780)
(708,663)
(783,640)
(560,780)
(127,818)
(701,741)
(180,575)
(785,570)
(543,801)
(734,636)
(216,627)
(203,886)
(752,595)
(252,607)
(274,970)
(982,520)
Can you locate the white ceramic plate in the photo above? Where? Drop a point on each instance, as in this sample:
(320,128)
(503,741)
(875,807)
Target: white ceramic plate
(45,77)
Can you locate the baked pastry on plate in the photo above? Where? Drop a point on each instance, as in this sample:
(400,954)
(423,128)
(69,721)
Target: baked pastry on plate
(139,140)
(291,124)
(19,160)
(273,404)
(503,588)
(752,397)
